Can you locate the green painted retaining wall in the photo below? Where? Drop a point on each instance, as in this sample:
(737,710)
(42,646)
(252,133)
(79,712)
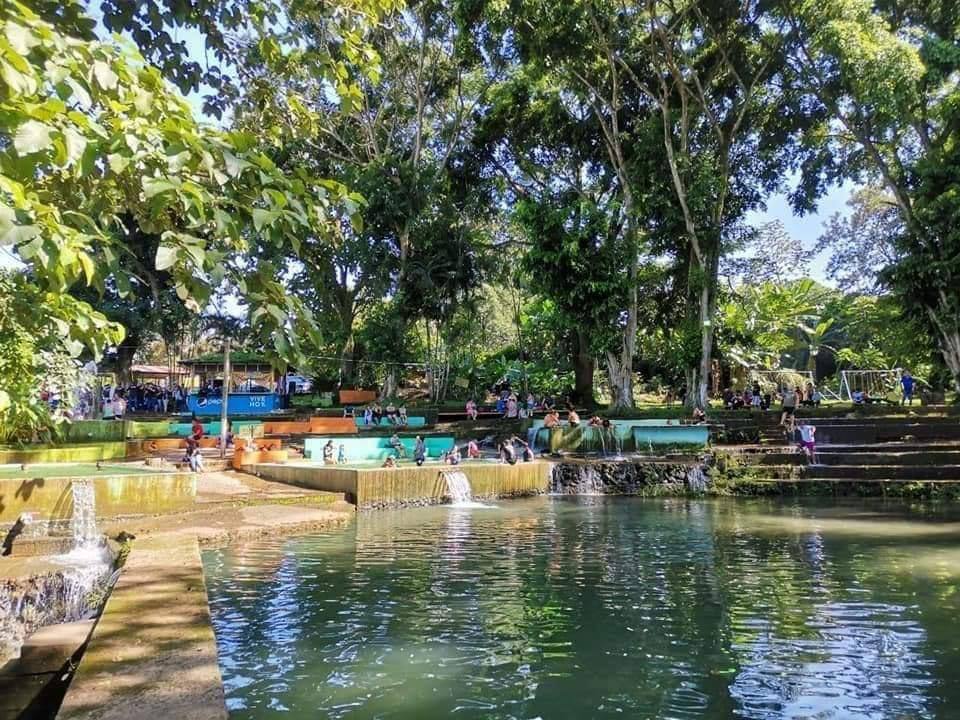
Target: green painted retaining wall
(93,431)
(64,453)
(116,495)
(147,429)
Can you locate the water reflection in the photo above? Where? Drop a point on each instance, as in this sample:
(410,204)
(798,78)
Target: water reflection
(594,608)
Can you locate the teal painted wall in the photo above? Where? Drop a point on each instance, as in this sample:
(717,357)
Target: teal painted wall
(374,448)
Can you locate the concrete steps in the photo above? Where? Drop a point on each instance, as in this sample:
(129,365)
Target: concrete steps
(883,472)
(902,458)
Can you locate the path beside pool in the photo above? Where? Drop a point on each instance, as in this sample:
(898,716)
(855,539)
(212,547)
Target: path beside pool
(153,652)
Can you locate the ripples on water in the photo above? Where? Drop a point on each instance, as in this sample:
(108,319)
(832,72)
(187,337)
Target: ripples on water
(596,608)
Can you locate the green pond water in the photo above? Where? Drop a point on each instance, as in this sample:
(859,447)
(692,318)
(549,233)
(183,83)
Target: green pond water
(598,608)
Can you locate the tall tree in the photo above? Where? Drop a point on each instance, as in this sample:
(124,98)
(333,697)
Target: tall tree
(886,76)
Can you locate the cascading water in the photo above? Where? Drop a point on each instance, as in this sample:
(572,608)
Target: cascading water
(696,479)
(70,592)
(83,523)
(458,487)
(459,490)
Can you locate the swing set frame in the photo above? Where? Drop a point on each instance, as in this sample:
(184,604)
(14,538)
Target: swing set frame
(854,380)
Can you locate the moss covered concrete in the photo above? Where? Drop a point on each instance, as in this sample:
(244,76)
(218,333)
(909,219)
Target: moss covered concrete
(381,487)
(51,498)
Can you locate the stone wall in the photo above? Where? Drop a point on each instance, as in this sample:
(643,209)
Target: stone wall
(628,478)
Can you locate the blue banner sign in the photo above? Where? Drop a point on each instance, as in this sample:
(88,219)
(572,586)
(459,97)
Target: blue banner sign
(237,404)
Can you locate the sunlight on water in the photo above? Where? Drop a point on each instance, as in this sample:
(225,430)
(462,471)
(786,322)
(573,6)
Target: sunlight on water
(594,608)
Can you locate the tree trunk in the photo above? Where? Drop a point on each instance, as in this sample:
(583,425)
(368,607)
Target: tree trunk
(389,388)
(125,354)
(620,369)
(698,394)
(620,376)
(583,365)
(948,328)
(347,365)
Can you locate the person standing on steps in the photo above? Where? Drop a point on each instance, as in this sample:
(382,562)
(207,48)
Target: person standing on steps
(907,383)
(808,442)
(789,405)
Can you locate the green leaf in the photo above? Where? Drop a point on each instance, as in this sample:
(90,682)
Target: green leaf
(20,38)
(75,143)
(20,83)
(86,262)
(263,217)
(105,76)
(32,137)
(234,165)
(166,258)
(18,235)
(118,163)
(157,186)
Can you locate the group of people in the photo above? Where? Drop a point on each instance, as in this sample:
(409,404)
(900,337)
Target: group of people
(510,451)
(755,398)
(552,418)
(510,405)
(144,398)
(374,414)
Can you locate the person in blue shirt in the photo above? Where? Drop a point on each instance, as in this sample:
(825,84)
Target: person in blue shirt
(907,383)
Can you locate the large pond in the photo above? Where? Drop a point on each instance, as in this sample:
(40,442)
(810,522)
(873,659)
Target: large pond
(598,608)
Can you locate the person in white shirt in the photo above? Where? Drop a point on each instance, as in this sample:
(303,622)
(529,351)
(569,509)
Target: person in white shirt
(808,442)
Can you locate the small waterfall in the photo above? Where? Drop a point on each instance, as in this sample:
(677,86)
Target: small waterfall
(458,487)
(603,442)
(696,479)
(577,479)
(83,524)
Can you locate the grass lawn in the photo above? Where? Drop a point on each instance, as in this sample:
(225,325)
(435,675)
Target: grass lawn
(13,472)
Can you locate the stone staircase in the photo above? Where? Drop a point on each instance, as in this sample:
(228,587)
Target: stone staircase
(871,451)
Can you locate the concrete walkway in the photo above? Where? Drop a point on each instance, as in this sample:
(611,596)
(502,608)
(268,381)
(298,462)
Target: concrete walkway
(153,653)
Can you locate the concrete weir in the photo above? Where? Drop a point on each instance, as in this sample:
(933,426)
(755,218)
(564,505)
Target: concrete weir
(380,487)
(49,498)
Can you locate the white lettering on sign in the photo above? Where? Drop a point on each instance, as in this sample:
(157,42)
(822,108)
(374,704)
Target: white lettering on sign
(258,401)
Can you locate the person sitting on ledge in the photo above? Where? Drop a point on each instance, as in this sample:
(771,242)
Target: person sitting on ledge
(527,452)
(391,414)
(402,419)
(572,418)
(453,457)
(397,445)
(328,453)
(699,416)
(471,409)
(728,397)
(377,414)
(552,419)
(390,462)
(595,421)
(473,450)
(196,460)
(507,453)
